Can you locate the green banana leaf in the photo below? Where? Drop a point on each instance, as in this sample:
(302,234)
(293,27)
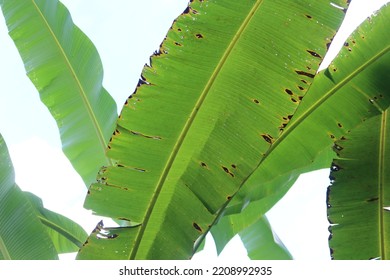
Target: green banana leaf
(22,235)
(359,197)
(230,224)
(352,89)
(255,232)
(66,69)
(209,106)
(262,243)
(66,235)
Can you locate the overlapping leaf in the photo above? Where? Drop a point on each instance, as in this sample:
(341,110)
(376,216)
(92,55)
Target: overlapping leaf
(22,235)
(66,69)
(66,235)
(217,95)
(262,243)
(352,89)
(359,197)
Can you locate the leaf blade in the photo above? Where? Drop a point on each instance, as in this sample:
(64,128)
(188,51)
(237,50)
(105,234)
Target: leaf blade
(358,196)
(22,235)
(262,243)
(66,235)
(340,98)
(66,69)
(200,174)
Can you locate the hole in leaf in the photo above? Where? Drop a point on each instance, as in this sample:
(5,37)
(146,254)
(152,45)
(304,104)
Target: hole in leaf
(313,53)
(337,147)
(335,167)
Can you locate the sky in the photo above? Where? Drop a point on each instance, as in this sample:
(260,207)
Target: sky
(126,33)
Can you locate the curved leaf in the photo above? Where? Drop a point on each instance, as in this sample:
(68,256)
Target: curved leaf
(206,110)
(22,235)
(353,88)
(232,223)
(66,69)
(262,243)
(255,232)
(66,235)
(359,197)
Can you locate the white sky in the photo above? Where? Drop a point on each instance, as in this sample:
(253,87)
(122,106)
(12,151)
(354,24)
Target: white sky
(126,33)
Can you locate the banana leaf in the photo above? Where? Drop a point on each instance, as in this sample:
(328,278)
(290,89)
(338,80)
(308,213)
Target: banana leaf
(214,99)
(66,235)
(262,243)
(255,233)
(22,235)
(359,197)
(65,67)
(352,89)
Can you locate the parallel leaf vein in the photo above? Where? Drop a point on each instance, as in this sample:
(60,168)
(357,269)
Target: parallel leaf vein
(189,122)
(81,90)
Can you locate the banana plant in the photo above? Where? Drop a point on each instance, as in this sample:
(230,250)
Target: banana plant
(229,112)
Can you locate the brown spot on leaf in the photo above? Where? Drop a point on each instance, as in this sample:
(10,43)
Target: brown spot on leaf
(268,138)
(144,135)
(227,171)
(197,227)
(303,73)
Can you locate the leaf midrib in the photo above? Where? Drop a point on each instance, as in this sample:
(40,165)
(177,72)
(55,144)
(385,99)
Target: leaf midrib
(326,96)
(290,128)
(3,250)
(188,125)
(60,230)
(381,184)
(81,90)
